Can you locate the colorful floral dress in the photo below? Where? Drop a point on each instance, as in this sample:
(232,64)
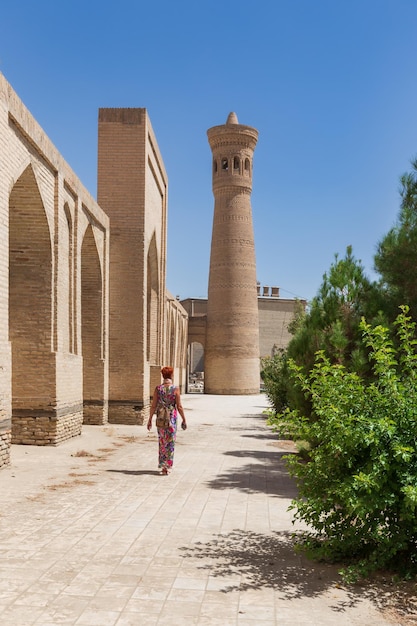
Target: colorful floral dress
(167,436)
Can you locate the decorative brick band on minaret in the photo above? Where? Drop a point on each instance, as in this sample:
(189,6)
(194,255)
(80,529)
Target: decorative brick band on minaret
(232,335)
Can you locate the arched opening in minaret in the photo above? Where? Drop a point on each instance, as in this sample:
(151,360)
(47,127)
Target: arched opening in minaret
(247,166)
(215,166)
(225,164)
(236,163)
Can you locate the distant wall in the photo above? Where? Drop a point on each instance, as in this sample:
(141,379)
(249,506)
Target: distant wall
(275,314)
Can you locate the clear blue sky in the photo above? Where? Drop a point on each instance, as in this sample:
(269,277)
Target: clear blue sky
(330,85)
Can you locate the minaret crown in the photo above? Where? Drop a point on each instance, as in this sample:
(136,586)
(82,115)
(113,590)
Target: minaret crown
(232,118)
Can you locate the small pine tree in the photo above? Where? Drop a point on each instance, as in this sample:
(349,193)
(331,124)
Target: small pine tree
(332,325)
(396,256)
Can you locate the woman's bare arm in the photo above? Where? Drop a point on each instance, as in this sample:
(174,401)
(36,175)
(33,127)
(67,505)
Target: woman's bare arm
(153,407)
(179,406)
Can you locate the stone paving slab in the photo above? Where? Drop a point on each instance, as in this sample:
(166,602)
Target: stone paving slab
(92,535)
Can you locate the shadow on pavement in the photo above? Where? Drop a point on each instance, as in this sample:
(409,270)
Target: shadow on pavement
(136,472)
(270,476)
(268,456)
(261,561)
(249,560)
(261,434)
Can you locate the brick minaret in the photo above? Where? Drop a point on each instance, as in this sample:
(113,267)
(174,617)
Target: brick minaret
(232,335)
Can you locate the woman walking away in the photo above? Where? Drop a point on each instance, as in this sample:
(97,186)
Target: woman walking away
(166,402)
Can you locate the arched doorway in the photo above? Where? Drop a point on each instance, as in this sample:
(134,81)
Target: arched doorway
(30,315)
(196,367)
(153,316)
(94,406)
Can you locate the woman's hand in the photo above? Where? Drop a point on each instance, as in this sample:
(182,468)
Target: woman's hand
(184,425)
(149,423)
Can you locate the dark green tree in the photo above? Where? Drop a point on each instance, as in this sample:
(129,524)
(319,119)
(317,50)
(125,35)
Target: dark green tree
(396,256)
(331,324)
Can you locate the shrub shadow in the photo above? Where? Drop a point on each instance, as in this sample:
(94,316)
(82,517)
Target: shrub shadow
(270,561)
(261,434)
(270,476)
(136,472)
(261,561)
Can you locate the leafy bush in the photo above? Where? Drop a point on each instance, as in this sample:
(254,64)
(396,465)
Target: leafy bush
(273,377)
(358,490)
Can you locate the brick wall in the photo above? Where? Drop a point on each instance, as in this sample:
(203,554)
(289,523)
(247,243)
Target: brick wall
(86,336)
(45,213)
(46,430)
(274,315)
(5,441)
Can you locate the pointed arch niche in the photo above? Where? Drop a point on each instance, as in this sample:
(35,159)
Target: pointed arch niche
(152,291)
(67,247)
(92,332)
(172,358)
(153,328)
(30,314)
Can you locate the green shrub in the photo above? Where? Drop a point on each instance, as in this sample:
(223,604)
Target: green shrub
(273,377)
(358,491)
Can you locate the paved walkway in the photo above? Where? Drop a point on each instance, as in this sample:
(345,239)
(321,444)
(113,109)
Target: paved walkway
(92,535)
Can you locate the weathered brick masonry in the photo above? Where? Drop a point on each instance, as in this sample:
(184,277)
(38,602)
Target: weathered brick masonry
(56,277)
(53,288)
(147,326)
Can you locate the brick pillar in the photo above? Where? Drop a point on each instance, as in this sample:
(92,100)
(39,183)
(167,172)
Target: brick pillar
(132,190)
